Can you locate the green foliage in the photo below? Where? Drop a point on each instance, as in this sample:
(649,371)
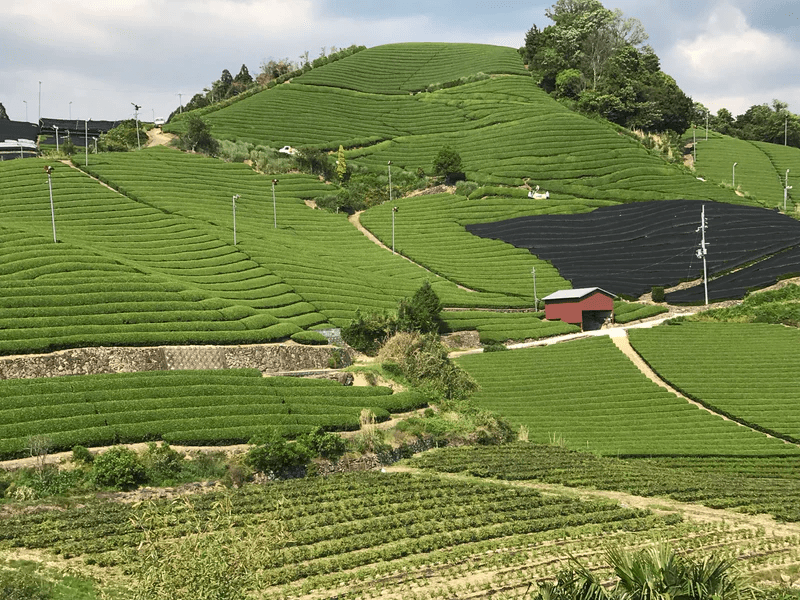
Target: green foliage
(24,584)
(273,455)
(341,165)
(198,136)
(119,468)
(310,338)
(322,443)
(162,464)
(80,454)
(367,332)
(212,558)
(427,366)
(655,573)
(447,164)
(421,312)
(122,138)
(657,294)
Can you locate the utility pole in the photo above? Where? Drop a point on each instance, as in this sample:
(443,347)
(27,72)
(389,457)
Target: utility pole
(86,139)
(235,198)
(733,177)
(26,110)
(702,251)
(274,207)
(56,128)
(49,170)
(136,108)
(180,101)
(390,181)
(535,295)
(394,212)
(786,188)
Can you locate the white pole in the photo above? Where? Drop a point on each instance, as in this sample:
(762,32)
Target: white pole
(49,170)
(704,251)
(40,102)
(394,211)
(235,196)
(694,144)
(733,182)
(390,182)
(70,110)
(535,295)
(786,189)
(274,207)
(706,125)
(86,139)
(785,130)
(26,110)
(56,128)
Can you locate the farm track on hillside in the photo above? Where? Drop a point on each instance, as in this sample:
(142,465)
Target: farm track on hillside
(355,219)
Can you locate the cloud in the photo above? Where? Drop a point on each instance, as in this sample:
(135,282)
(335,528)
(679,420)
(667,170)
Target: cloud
(732,64)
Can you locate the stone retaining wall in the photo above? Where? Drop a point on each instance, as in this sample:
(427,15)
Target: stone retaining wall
(267,358)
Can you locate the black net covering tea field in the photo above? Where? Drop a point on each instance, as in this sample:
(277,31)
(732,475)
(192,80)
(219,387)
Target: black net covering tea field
(628,249)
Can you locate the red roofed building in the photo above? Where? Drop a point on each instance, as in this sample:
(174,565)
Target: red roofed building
(587,307)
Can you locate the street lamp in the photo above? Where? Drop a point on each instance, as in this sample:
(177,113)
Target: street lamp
(26,110)
(136,108)
(235,198)
(274,209)
(70,110)
(733,177)
(49,170)
(535,295)
(394,212)
(56,128)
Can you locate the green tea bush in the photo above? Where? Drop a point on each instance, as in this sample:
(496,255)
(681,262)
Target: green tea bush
(309,337)
(23,584)
(273,455)
(657,294)
(367,332)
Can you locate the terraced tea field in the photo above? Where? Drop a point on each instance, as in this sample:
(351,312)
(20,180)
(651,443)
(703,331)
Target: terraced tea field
(394,535)
(182,407)
(742,370)
(588,396)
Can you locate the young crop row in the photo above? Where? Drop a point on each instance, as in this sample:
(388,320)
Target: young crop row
(414,67)
(503,326)
(416,536)
(766,484)
(739,369)
(588,395)
(191,407)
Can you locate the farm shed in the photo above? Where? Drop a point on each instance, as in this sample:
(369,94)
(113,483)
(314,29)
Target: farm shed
(587,307)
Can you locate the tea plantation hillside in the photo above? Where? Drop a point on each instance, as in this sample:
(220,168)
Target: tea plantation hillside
(760,167)
(156,263)
(506,129)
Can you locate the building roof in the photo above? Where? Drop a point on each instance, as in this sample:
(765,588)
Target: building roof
(577,294)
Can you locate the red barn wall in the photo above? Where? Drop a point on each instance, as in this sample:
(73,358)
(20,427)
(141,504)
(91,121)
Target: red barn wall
(572,312)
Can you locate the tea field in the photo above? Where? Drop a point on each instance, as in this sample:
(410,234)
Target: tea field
(197,408)
(390,535)
(742,370)
(587,395)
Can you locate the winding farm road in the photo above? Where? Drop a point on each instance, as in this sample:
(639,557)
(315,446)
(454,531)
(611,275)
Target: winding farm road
(355,219)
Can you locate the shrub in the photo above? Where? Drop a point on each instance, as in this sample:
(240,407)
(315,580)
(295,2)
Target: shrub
(368,331)
(23,584)
(336,359)
(325,444)
(80,454)
(447,164)
(657,293)
(162,463)
(119,468)
(422,312)
(273,455)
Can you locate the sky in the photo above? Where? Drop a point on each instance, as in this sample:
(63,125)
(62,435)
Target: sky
(96,59)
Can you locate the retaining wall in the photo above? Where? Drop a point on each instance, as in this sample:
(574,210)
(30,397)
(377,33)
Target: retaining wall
(267,358)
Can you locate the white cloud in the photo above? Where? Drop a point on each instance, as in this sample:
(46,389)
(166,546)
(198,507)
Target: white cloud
(732,64)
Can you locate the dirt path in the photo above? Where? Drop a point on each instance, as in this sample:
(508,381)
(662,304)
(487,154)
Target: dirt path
(156,137)
(355,219)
